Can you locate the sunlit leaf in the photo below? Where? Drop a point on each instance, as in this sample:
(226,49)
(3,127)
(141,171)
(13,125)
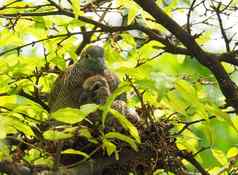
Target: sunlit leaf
(109,146)
(232,152)
(220,114)
(186,90)
(220,156)
(14,100)
(76,7)
(74,115)
(84,132)
(76,152)
(88,108)
(56,135)
(122,137)
(13,122)
(176,103)
(127,125)
(132,11)
(105,108)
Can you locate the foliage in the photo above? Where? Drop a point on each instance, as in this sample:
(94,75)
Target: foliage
(172,77)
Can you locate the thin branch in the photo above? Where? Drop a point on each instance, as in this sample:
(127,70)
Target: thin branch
(189,15)
(87,37)
(153,35)
(44,39)
(227,86)
(10,3)
(223,32)
(190,158)
(187,124)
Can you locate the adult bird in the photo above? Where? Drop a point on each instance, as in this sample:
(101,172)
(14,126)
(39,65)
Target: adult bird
(68,88)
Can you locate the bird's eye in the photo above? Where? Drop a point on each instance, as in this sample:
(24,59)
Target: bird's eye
(86,56)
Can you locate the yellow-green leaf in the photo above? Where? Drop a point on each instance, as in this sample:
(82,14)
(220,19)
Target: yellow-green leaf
(214,110)
(77,152)
(110,147)
(232,152)
(76,8)
(88,108)
(132,11)
(220,156)
(122,137)
(68,115)
(106,107)
(186,90)
(74,115)
(56,135)
(127,125)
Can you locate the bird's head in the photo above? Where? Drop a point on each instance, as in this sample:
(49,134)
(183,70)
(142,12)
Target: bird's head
(92,59)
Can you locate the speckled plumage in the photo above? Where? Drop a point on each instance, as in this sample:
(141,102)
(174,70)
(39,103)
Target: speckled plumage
(98,90)
(68,88)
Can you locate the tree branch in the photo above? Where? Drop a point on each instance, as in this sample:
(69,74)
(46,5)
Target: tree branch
(45,39)
(227,86)
(189,157)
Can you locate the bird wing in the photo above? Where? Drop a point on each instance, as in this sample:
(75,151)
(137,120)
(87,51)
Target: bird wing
(55,91)
(67,89)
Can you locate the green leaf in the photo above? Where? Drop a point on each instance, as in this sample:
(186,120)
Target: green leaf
(15,100)
(11,122)
(35,114)
(188,141)
(88,108)
(232,152)
(4,150)
(127,125)
(84,132)
(38,157)
(40,22)
(176,103)
(146,84)
(56,135)
(77,152)
(68,115)
(4,67)
(110,147)
(186,90)
(106,107)
(117,135)
(74,115)
(32,155)
(76,8)
(189,94)
(129,39)
(220,156)
(132,11)
(209,132)
(214,110)
(111,54)
(204,38)
(3,132)
(59,62)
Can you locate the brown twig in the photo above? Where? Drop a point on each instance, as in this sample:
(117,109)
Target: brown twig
(190,158)
(227,86)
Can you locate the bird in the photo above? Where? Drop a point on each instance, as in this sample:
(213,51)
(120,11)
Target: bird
(97,88)
(68,91)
